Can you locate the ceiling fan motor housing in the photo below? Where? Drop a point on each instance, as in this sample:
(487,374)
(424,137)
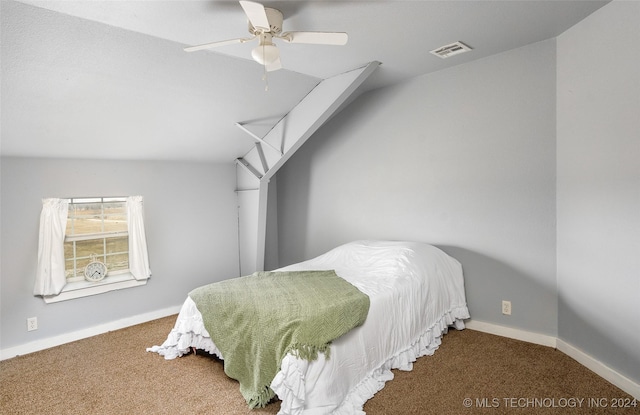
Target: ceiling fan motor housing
(275,18)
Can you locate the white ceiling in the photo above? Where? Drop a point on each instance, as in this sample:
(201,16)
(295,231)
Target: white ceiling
(109,79)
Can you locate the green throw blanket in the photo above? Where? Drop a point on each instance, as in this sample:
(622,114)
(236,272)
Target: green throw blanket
(256,320)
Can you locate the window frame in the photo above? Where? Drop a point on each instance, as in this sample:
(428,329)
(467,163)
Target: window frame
(78,287)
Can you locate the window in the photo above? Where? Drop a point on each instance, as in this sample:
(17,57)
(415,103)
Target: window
(96,230)
(77,231)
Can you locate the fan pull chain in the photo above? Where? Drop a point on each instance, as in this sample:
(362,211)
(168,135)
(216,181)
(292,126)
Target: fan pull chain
(264,75)
(265,79)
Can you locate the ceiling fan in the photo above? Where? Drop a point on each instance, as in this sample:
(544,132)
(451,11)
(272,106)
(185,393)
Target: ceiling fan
(265,24)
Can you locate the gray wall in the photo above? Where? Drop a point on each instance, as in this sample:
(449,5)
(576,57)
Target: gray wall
(598,200)
(191,225)
(463,159)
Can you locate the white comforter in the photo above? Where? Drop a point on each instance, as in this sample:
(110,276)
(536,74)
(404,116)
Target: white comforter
(416,292)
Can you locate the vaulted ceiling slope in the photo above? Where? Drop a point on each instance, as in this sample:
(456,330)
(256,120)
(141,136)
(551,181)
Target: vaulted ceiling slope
(110,79)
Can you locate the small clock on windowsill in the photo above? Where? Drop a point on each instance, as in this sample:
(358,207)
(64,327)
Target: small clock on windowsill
(95,271)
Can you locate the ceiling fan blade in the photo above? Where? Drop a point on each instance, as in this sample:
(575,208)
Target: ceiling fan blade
(318,38)
(256,14)
(216,44)
(274,66)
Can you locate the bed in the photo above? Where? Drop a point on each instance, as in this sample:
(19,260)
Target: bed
(416,293)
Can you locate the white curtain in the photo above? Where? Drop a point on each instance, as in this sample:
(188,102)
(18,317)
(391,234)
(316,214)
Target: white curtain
(50,278)
(138,255)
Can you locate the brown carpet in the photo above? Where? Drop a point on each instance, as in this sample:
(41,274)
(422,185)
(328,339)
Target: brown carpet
(113,374)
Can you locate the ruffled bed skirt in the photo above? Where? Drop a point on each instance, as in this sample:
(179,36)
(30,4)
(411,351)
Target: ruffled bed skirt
(426,345)
(189,333)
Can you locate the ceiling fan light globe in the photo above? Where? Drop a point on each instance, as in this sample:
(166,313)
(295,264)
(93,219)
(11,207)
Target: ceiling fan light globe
(265,54)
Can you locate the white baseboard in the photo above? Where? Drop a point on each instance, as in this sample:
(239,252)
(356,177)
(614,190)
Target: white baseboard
(42,344)
(510,332)
(621,381)
(602,370)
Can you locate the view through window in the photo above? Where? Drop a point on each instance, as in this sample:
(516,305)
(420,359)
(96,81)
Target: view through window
(96,230)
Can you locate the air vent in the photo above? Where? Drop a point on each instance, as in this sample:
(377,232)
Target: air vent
(450,50)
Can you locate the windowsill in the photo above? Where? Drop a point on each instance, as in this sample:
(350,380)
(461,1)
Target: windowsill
(80,289)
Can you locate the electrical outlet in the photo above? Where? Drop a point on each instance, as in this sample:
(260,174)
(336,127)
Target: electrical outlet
(32,323)
(506,307)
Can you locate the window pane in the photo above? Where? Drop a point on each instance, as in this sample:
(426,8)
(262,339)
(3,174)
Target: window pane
(115,219)
(118,262)
(70,216)
(88,208)
(90,247)
(68,250)
(113,223)
(118,245)
(117,208)
(68,268)
(85,218)
(85,224)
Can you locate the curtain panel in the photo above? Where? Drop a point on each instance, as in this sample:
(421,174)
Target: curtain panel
(138,254)
(50,278)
